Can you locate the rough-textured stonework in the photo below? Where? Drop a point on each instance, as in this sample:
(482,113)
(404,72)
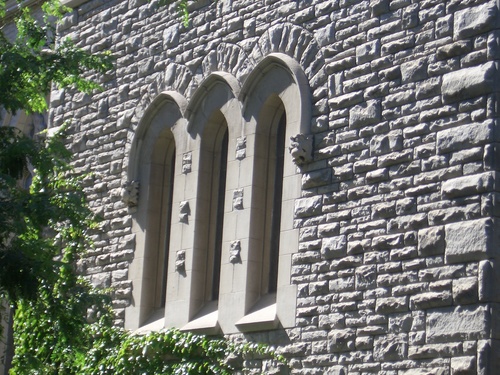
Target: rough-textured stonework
(397,269)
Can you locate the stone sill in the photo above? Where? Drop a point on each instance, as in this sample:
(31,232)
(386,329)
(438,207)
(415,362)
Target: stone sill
(155,323)
(206,322)
(262,316)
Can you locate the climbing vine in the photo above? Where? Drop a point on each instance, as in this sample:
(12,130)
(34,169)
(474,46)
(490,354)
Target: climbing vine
(62,324)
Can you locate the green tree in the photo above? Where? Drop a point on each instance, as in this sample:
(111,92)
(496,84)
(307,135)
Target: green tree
(33,60)
(30,62)
(45,228)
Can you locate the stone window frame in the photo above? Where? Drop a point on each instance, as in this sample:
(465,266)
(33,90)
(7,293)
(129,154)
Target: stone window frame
(214,102)
(165,115)
(276,84)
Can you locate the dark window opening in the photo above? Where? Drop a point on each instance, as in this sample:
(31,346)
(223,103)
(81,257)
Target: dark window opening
(276,185)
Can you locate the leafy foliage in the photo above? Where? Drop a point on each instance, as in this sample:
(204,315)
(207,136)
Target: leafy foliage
(32,61)
(169,352)
(44,230)
(54,204)
(53,333)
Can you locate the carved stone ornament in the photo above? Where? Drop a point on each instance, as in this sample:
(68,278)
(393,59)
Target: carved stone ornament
(187,161)
(238,199)
(130,193)
(234,252)
(241,148)
(300,148)
(180,261)
(184,212)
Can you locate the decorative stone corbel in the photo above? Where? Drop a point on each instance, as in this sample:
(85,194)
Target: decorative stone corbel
(301,147)
(184,212)
(130,193)
(180,261)
(234,252)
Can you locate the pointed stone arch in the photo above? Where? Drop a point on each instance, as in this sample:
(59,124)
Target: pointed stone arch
(228,57)
(297,43)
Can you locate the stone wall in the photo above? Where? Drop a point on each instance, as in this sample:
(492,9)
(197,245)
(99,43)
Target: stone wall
(397,263)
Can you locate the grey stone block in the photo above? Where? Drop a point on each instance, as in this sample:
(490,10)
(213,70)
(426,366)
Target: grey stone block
(430,300)
(469,323)
(469,83)
(455,49)
(379,7)
(391,305)
(414,70)
(364,114)
(431,241)
(463,365)
(474,20)
(465,291)
(316,178)
(341,340)
(468,185)
(305,207)
(471,240)
(325,35)
(465,136)
(390,347)
(367,52)
(384,144)
(334,247)
(488,281)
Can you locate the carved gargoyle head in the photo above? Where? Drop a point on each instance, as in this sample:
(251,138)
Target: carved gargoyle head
(301,149)
(130,193)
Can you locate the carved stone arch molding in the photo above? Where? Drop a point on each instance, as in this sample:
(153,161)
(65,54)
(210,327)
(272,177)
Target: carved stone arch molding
(298,43)
(172,82)
(288,81)
(219,91)
(166,110)
(228,57)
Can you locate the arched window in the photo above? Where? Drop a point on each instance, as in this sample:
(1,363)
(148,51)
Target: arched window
(159,182)
(159,217)
(265,226)
(213,115)
(211,199)
(151,170)
(276,107)
(274,194)
(214,223)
